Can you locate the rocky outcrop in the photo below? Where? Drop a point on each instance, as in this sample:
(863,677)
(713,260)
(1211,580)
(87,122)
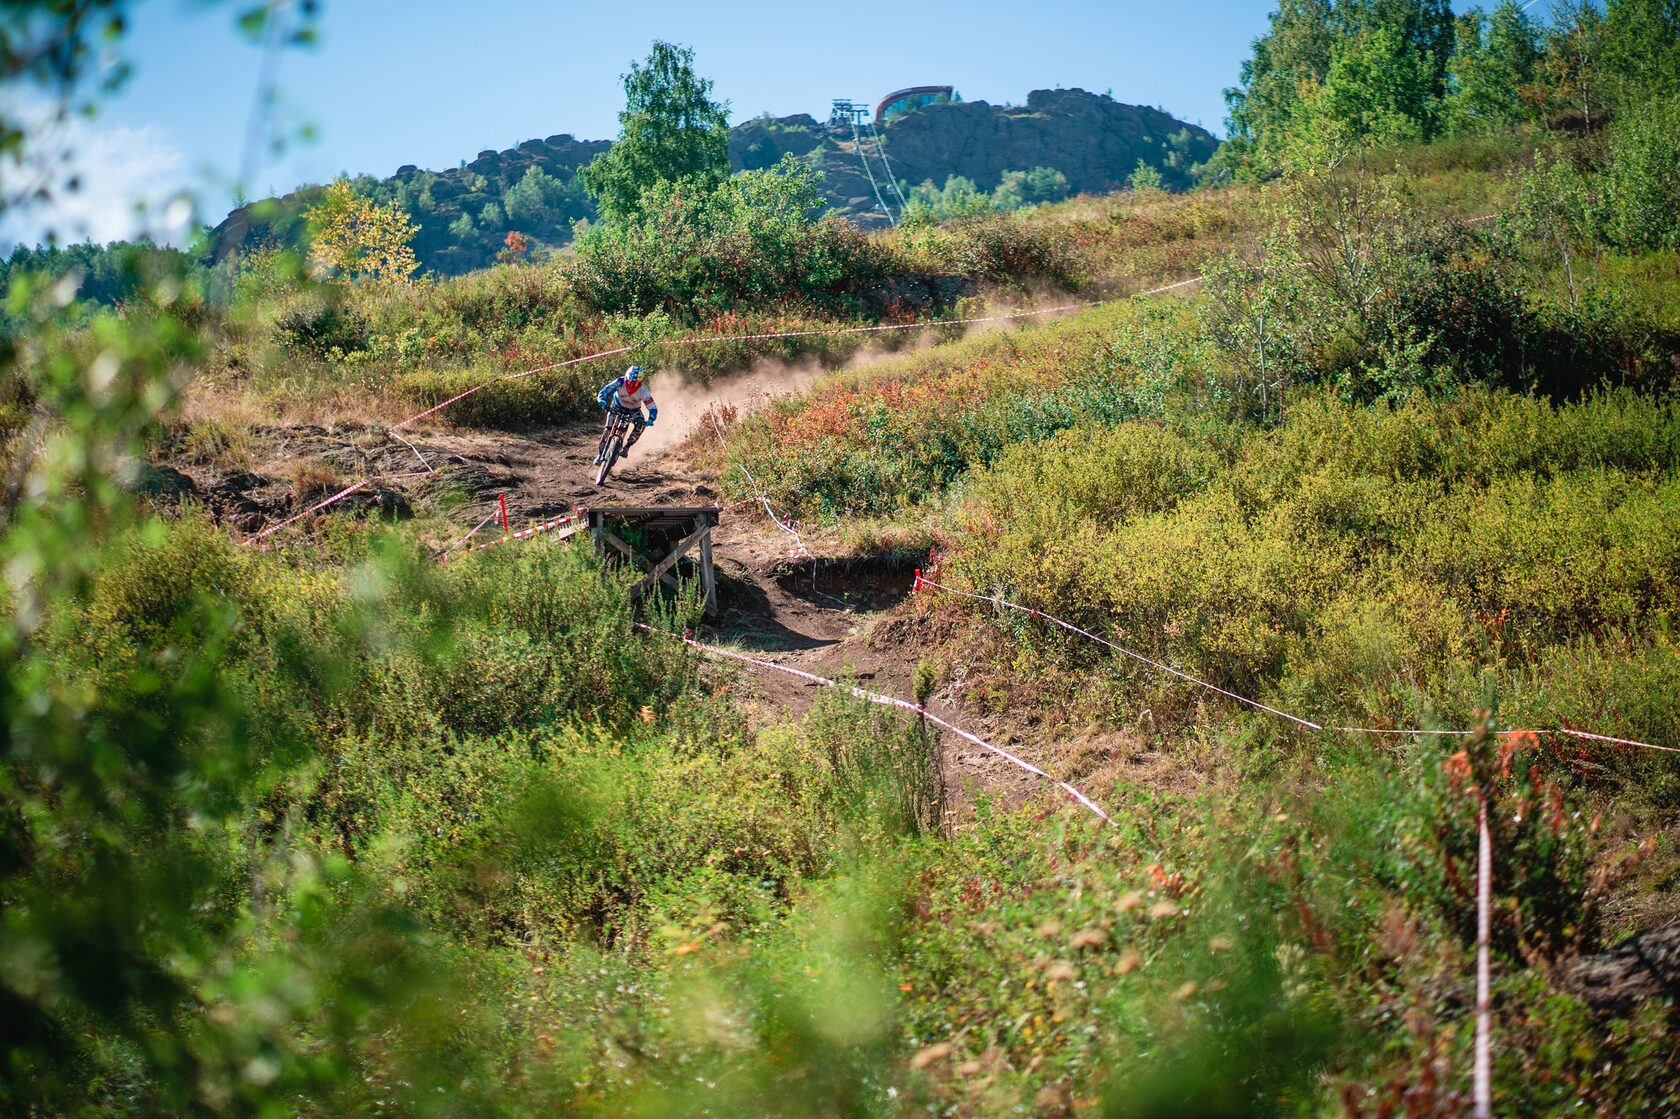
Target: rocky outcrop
(1095,141)
(763,141)
(1092,139)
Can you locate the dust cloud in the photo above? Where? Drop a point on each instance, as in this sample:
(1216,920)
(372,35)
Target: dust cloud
(683,400)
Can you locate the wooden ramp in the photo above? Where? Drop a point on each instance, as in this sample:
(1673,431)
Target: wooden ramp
(655,538)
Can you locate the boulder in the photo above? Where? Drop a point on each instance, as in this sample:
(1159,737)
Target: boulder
(1646,966)
(164,483)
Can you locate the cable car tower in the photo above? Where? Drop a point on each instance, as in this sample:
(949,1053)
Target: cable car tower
(847,113)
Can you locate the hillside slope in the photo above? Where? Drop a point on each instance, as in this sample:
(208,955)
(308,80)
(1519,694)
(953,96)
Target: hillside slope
(464,214)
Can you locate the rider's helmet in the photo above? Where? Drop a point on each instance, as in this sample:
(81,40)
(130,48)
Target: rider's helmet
(633,378)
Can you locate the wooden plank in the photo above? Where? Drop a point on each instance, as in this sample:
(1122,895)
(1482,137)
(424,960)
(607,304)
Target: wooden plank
(679,512)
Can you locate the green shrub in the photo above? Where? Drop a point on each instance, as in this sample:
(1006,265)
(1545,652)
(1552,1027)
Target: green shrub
(1642,177)
(750,241)
(1007,249)
(1368,565)
(958,198)
(322,329)
(514,405)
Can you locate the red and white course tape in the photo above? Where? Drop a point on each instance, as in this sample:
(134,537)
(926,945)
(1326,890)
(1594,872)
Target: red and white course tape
(525,534)
(888,701)
(1482,1065)
(333,500)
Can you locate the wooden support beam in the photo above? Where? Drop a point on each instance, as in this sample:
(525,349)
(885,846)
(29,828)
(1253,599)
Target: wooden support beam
(636,591)
(661,570)
(604,536)
(697,523)
(708,577)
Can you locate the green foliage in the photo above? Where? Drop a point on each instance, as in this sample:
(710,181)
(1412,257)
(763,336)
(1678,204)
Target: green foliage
(1495,61)
(1145,177)
(751,239)
(539,200)
(1366,71)
(1642,177)
(522,405)
(1034,187)
(178,869)
(1394,72)
(1566,207)
(323,328)
(1641,50)
(669,132)
(103,275)
(1350,289)
(1575,83)
(1556,209)
(958,198)
(1344,560)
(1378,90)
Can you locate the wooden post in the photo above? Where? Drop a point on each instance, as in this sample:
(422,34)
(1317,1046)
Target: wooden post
(708,578)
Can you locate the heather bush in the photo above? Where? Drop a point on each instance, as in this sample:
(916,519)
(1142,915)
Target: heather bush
(1365,564)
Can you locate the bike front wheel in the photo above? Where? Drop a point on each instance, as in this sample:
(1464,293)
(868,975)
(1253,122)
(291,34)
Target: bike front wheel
(609,455)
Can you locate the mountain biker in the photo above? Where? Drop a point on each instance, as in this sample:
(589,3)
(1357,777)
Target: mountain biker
(625,396)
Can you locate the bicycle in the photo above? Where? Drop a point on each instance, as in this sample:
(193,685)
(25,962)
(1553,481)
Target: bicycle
(612,443)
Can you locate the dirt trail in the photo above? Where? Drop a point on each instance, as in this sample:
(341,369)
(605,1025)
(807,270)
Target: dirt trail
(767,601)
(845,623)
(842,624)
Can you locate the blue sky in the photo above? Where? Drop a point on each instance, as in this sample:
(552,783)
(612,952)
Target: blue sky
(431,82)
